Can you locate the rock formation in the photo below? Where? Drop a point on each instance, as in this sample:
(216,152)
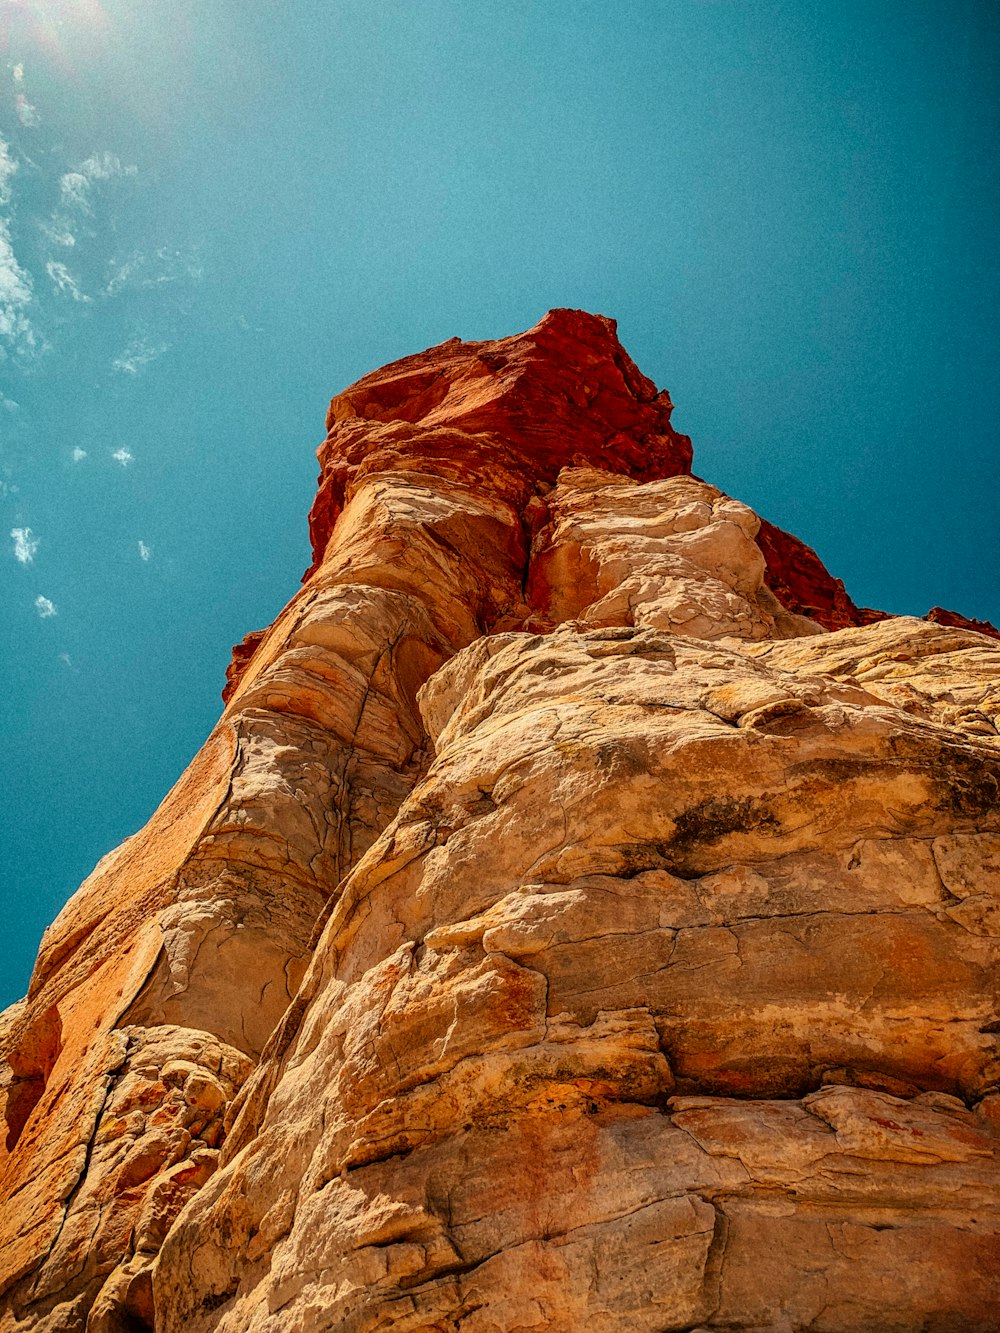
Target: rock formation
(583,916)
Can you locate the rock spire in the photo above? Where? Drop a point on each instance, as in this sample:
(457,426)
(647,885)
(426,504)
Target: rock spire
(583,915)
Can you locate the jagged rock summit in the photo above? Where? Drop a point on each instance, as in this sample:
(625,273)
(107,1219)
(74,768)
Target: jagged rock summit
(583,916)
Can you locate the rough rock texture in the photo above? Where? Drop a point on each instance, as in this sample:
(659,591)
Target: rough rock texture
(562,929)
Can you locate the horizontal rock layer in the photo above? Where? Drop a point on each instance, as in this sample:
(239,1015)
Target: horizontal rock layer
(583,915)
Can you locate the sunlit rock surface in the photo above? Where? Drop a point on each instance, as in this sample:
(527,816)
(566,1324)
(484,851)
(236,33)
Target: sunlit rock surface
(561,929)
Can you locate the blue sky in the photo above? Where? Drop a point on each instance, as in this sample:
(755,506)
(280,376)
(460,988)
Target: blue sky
(214,215)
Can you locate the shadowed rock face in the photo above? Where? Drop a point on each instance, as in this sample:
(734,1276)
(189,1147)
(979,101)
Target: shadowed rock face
(561,929)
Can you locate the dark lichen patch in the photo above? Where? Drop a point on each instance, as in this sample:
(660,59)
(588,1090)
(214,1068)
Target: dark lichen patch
(720,816)
(968,783)
(215,1300)
(836,771)
(621,759)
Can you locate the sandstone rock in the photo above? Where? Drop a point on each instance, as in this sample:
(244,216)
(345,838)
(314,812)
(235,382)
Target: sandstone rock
(562,928)
(502,416)
(943,617)
(105,1166)
(676,555)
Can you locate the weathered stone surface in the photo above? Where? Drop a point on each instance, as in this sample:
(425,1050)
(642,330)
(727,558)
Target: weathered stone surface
(640,865)
(138,1129)
(561,929)
(676,555)
(624,1216)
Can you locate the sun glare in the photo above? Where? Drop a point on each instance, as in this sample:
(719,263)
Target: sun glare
(49,27)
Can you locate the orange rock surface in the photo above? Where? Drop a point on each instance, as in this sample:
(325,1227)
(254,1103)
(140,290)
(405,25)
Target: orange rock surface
(583,915)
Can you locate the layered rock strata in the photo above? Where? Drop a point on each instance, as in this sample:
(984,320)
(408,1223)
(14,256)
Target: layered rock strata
(582,916)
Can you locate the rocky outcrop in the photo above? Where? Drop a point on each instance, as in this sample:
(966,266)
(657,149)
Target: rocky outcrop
(583,916)
(942,617)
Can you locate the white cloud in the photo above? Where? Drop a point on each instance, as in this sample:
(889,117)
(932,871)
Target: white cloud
(105,167)
(15,282)
(74,190)
(137,356)
(15,297)
(64,281)
(78,454)
(8,404)
(128,274)
(46,609)
(26,113)
(75,187)
(7,168)
(57,231)
(155,268)
(66,660)
(123,456)
(145,552)
(25,545)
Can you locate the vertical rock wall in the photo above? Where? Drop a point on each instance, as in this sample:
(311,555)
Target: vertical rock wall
(560,929)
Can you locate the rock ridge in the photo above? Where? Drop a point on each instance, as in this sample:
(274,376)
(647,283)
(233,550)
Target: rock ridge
(583,915)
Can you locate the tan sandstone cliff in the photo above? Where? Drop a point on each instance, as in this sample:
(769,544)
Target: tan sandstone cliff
(583,916)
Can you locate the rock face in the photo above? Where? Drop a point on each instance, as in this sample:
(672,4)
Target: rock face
(583,916)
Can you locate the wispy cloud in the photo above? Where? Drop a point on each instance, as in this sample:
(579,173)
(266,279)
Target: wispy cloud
(15,297)
(64,281)
(74,191)
(8,404)
(76,187)
(137,356)
(78,454)
(15,282)
(155,268)
(57,232)
(106,167)
(25,545)
(26,113)
(123,456)
(8,166)
(145,552)
(46,609)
